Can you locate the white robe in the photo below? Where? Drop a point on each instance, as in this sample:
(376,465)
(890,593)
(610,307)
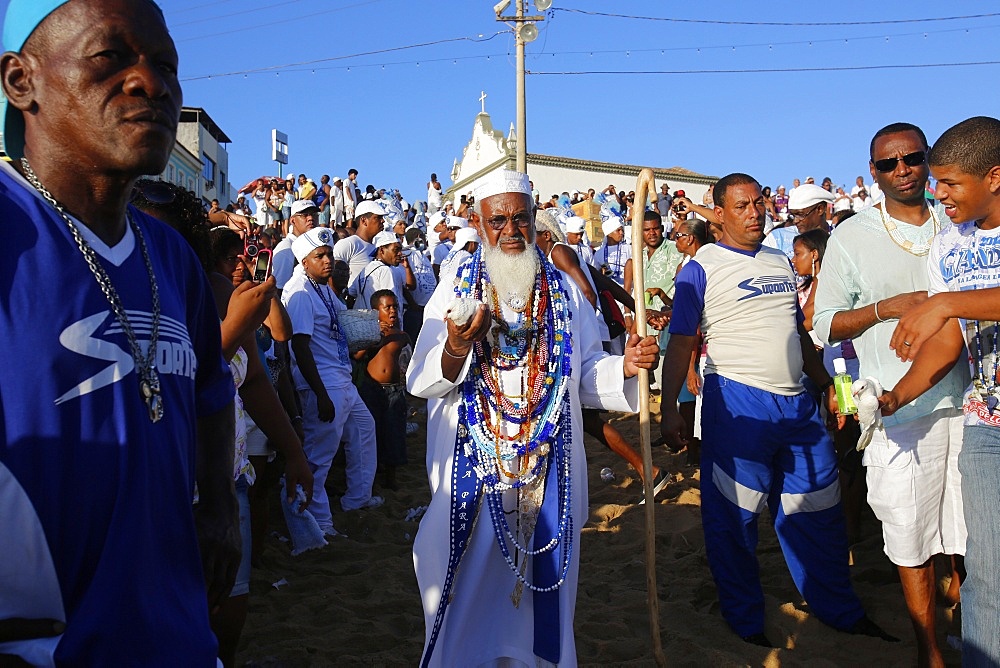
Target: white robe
(481,625)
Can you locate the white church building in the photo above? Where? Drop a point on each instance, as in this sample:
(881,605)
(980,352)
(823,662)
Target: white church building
(489,150)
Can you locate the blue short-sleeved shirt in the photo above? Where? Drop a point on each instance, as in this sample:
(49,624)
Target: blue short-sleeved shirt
(97,520)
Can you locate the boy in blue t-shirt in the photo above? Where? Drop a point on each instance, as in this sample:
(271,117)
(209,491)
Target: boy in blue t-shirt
(961,314)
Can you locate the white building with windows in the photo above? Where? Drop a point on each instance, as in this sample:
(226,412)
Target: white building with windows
(183,169)
(203,138)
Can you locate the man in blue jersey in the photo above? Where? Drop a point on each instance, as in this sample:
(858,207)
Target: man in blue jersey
(115,398)
(763,441)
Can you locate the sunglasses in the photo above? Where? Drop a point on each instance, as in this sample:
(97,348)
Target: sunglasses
(521,220)
(910,160)
(154,192)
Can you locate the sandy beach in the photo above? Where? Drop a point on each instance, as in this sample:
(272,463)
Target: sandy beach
(355,602)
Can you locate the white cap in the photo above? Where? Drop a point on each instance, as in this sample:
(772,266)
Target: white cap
(502,181)
(436,217)
(368,206)
(457,222)
(464,236)
(310,241)
(384,239)
(300,205)
(611,224)
(575,224)
(839,365)
(807,195)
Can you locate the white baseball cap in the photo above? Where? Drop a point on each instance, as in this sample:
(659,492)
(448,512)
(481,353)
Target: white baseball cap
(369,206)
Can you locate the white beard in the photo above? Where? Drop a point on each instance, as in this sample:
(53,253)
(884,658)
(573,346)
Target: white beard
(512,276)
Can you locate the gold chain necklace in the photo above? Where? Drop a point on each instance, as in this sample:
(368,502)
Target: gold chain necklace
(920,249)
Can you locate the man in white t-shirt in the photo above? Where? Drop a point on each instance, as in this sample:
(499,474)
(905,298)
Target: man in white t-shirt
(452,225)
(964,285)
(351,194)
(436,227)
(356,250)
(575,226)
(305,215)
(764,443)
(859,185)
(378,274)
(332,410)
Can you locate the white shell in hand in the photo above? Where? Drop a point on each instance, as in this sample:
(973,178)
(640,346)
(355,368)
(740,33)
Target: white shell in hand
(461,309)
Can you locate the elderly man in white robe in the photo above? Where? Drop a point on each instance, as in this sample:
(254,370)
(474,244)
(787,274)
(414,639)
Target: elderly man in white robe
(508,355)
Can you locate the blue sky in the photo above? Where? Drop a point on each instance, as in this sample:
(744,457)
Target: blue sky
(397,116)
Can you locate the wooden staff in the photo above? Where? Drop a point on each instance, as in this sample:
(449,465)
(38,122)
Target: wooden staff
(643,187)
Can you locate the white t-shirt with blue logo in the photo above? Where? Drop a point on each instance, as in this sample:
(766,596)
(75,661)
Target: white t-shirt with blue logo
(964,257)
(746,305)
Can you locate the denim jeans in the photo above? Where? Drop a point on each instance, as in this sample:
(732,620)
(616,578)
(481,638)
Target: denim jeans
(979,464)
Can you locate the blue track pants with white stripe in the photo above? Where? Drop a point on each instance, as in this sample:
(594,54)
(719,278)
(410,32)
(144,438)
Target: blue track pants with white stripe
(763,448)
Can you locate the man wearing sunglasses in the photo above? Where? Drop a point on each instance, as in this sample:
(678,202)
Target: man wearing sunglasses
(115,399)
(874,271)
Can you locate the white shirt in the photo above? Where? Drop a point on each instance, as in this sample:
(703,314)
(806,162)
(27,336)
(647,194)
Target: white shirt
(356,252)
(863,265)
(376,276)
(423,272)
(283,261)
(310,314)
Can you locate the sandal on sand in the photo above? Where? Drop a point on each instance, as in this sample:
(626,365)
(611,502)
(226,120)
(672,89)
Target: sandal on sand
(659,482)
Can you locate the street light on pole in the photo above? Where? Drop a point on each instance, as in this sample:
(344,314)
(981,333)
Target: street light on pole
(524,32)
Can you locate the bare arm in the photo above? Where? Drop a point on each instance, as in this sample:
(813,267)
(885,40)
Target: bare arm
(929,367)
(263,405)
(921,322)
(812,365)
(277,319)
(850,324)
(703,211)
(675,369)
(618,292)
(216,513)
(568,262)
(307,367)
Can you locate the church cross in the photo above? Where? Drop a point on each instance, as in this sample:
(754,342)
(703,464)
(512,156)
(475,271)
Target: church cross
(482,100)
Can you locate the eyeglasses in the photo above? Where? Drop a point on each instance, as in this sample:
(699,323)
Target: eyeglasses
(910,160)
(521,220)
(803,213)
(681,235)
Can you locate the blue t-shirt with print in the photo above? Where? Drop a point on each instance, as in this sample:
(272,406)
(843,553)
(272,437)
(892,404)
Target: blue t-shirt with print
(97,519)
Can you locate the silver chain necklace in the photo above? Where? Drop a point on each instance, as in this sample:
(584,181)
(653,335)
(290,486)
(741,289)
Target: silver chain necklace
(149,380)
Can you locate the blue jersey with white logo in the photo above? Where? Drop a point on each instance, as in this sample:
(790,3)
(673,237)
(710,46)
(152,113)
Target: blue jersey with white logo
(746,305)
(96,518)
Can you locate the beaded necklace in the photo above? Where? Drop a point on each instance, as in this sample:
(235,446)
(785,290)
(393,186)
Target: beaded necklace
(336,333)
(920,249)
(538,344)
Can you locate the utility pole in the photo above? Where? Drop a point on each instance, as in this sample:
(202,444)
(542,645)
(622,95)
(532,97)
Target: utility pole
(522,113)
(524,32)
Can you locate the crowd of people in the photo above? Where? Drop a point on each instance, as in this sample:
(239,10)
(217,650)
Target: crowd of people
(180,376)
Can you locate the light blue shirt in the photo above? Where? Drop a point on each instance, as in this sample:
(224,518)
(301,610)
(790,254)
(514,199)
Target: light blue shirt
(863,265)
